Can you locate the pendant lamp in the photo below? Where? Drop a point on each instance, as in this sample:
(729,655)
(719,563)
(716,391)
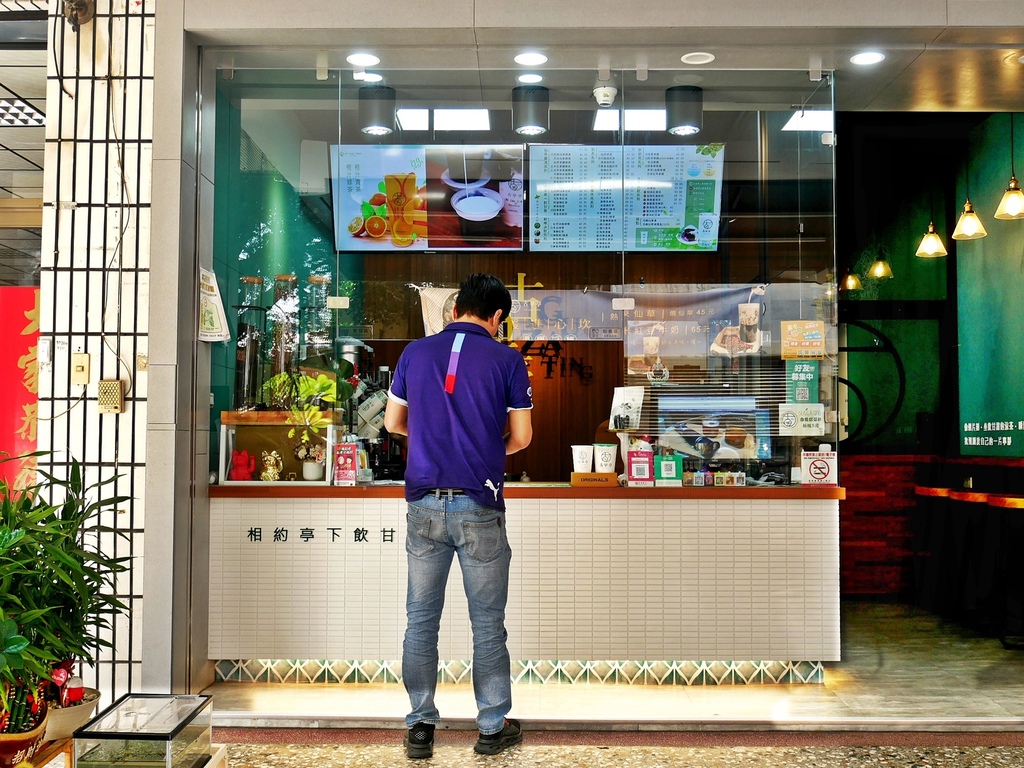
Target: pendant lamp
(880,269)
(530,109)
(931,244)
(1012,204)
(851,282)
(376,109)
(969,227)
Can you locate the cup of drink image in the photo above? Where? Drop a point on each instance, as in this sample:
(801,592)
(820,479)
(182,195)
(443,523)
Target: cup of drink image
(604,457)
(406,220)
(478,209)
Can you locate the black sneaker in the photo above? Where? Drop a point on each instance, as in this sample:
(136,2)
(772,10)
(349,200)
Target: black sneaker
(419,741)
(492,744)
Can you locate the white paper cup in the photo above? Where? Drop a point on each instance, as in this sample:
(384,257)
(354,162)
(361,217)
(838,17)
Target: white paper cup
(582,458)
(604,457)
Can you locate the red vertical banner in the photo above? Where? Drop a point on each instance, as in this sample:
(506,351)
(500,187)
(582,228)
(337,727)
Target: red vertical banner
(19,380)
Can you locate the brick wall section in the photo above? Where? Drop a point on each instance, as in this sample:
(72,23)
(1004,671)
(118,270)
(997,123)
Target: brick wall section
(874,524)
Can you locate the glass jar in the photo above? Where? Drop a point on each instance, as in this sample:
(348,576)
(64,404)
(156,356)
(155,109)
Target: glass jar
(283,325)
(317,319)
(250,331)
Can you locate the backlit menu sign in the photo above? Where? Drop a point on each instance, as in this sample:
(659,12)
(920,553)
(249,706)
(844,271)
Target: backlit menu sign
(454,197)
(637,198)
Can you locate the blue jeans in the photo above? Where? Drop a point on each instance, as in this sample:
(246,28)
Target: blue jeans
(437,530)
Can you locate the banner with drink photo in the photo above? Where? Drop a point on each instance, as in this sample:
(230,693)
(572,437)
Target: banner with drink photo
(416,198)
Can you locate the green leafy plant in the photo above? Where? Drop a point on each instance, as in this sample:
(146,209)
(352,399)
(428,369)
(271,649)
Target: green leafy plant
(56,586)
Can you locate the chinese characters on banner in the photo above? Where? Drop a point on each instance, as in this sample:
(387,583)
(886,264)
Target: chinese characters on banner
(19,340)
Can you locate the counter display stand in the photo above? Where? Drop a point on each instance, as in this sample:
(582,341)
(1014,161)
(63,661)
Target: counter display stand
(255,449)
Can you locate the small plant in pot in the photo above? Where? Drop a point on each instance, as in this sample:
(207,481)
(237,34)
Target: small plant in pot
(56,592)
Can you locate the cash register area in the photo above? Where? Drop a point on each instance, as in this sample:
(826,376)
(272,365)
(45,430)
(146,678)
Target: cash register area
(911,690)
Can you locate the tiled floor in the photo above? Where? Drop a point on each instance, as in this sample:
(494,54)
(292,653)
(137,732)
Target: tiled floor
(910,690)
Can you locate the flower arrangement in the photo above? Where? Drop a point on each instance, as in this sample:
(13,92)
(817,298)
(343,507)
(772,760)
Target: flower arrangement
(309,450)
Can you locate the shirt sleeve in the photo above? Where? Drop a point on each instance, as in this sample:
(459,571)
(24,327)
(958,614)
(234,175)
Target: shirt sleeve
(398,392)
(520,392)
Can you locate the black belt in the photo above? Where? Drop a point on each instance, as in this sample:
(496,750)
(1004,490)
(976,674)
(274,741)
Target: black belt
(449,492)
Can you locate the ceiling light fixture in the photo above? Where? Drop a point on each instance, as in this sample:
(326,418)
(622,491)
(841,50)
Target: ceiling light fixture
(1012,204)
(697,57)
(684,109)
(377,109)
(530,79)
(931,244)
(820,120)
(372,77)
(867,58)
(530,109)
(530,59)
(476,119)
(362,60)
(413,119)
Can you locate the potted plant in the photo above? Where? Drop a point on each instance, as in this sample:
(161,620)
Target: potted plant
(312,395)
(56,593)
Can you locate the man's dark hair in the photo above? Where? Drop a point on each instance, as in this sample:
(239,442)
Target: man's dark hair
(482,295)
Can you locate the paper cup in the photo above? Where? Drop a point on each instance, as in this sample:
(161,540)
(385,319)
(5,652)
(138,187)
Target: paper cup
(582,458)
(604,457)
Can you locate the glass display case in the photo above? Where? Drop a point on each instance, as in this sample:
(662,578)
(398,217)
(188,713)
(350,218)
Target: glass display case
(165,731)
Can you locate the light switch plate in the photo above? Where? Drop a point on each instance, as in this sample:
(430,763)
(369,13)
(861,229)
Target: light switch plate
(80,368)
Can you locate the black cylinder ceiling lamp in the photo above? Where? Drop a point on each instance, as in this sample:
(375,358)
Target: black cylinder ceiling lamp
(377,110)
(684,110)
(530,106)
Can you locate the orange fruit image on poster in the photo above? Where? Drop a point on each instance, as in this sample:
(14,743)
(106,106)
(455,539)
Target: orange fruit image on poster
(405,219)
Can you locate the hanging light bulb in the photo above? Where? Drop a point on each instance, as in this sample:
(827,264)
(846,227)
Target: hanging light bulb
(931,244)
(880,269)
(850,283)
(969,227)
(1012,204)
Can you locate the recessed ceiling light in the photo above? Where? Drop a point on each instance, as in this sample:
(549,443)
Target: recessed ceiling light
(530,59)
(362,60)
(1021,59)
(413,119)
(697,57)
(530,79)
(867,57)
(462,120)
(372,77)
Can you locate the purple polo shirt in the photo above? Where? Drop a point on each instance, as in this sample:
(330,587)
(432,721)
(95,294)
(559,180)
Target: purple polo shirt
(459,386)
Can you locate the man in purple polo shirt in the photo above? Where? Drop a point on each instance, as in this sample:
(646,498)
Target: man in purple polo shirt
(453,394)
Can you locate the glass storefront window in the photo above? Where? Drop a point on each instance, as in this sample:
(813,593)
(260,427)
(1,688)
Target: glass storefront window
(696,266)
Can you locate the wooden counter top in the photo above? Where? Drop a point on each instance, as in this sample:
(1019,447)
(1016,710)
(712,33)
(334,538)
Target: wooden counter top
(924,490)
(974,497)
(285,490)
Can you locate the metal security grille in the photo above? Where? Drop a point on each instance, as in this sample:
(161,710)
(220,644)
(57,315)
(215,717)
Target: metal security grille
(94,294)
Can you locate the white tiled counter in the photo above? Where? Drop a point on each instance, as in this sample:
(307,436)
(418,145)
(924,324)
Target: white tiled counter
(655,575)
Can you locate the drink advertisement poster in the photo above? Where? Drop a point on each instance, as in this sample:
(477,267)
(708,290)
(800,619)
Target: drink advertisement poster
(393,198)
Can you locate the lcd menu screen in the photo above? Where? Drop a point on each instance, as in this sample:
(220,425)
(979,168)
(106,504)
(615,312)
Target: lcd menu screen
(452,197)
(636,198)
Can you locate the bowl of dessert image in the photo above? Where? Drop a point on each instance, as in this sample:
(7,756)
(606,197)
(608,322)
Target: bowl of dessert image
(479,204)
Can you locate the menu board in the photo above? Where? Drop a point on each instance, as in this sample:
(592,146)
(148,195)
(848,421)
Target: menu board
(637,198)
(575,198)
(394,197)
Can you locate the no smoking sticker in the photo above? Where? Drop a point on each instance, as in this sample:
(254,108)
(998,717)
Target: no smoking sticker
(818,468)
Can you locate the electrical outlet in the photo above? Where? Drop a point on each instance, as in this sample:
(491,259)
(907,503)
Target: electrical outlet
(80,368)
(110,396)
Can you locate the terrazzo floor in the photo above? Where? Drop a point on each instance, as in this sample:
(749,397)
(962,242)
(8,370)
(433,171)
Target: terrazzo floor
(911,690)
